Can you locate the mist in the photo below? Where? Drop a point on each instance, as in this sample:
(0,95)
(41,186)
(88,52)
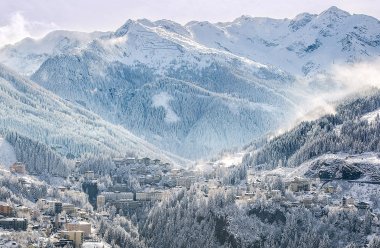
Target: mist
(322,92)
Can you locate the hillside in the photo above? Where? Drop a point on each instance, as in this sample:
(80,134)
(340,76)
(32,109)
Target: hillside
(35,113)
(352,131)
(220,85)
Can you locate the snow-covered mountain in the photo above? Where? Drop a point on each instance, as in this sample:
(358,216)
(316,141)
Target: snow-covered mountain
(198,88)
(27,55)
(31,111)
(305,45)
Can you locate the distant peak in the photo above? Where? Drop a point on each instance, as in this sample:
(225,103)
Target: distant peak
(125,28)
(333,10)
(244,18)
(132,24)
(146,22)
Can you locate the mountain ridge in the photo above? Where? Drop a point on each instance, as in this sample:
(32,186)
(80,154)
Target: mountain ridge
(227,67)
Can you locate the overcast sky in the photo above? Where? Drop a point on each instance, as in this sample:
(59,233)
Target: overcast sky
(22,18)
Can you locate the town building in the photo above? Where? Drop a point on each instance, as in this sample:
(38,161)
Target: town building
(127,206)
(114,196)
(76,236)
(122,187)
(23,210)
(64,243)
(14,223)
(5,209)
(299,184)
(100,201)
(55,206)
(83,226)
(149,196)
(68,208)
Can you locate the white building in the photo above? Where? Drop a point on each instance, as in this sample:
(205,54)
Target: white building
(115,196)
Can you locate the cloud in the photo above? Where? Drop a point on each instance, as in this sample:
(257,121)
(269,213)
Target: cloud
(18,28)
(357,76)
(14,30)
(324,91)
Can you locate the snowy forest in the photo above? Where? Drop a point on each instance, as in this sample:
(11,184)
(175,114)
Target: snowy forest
(345,131)
(253,132)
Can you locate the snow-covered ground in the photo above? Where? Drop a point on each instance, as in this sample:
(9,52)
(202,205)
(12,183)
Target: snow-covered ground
(371,116)
(7,154)
(88,244)
(288,173)
(163,100)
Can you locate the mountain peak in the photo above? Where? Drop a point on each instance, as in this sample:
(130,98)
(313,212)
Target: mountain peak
(126,27)
(335,11)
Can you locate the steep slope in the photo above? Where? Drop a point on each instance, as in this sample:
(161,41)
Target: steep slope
(71,131)
(305,45)
(27,55)
(346,133)
(181,96)
(197,89)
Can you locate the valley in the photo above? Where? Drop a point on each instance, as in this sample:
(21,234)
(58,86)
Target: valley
(256,132)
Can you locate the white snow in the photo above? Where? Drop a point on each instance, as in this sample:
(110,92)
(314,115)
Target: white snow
(90,244)
(371,116)
(209,114)
(7,153)
(289,173)
(69,128)
(162,100)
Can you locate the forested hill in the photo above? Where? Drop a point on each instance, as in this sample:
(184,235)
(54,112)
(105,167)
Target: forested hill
(353,129)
